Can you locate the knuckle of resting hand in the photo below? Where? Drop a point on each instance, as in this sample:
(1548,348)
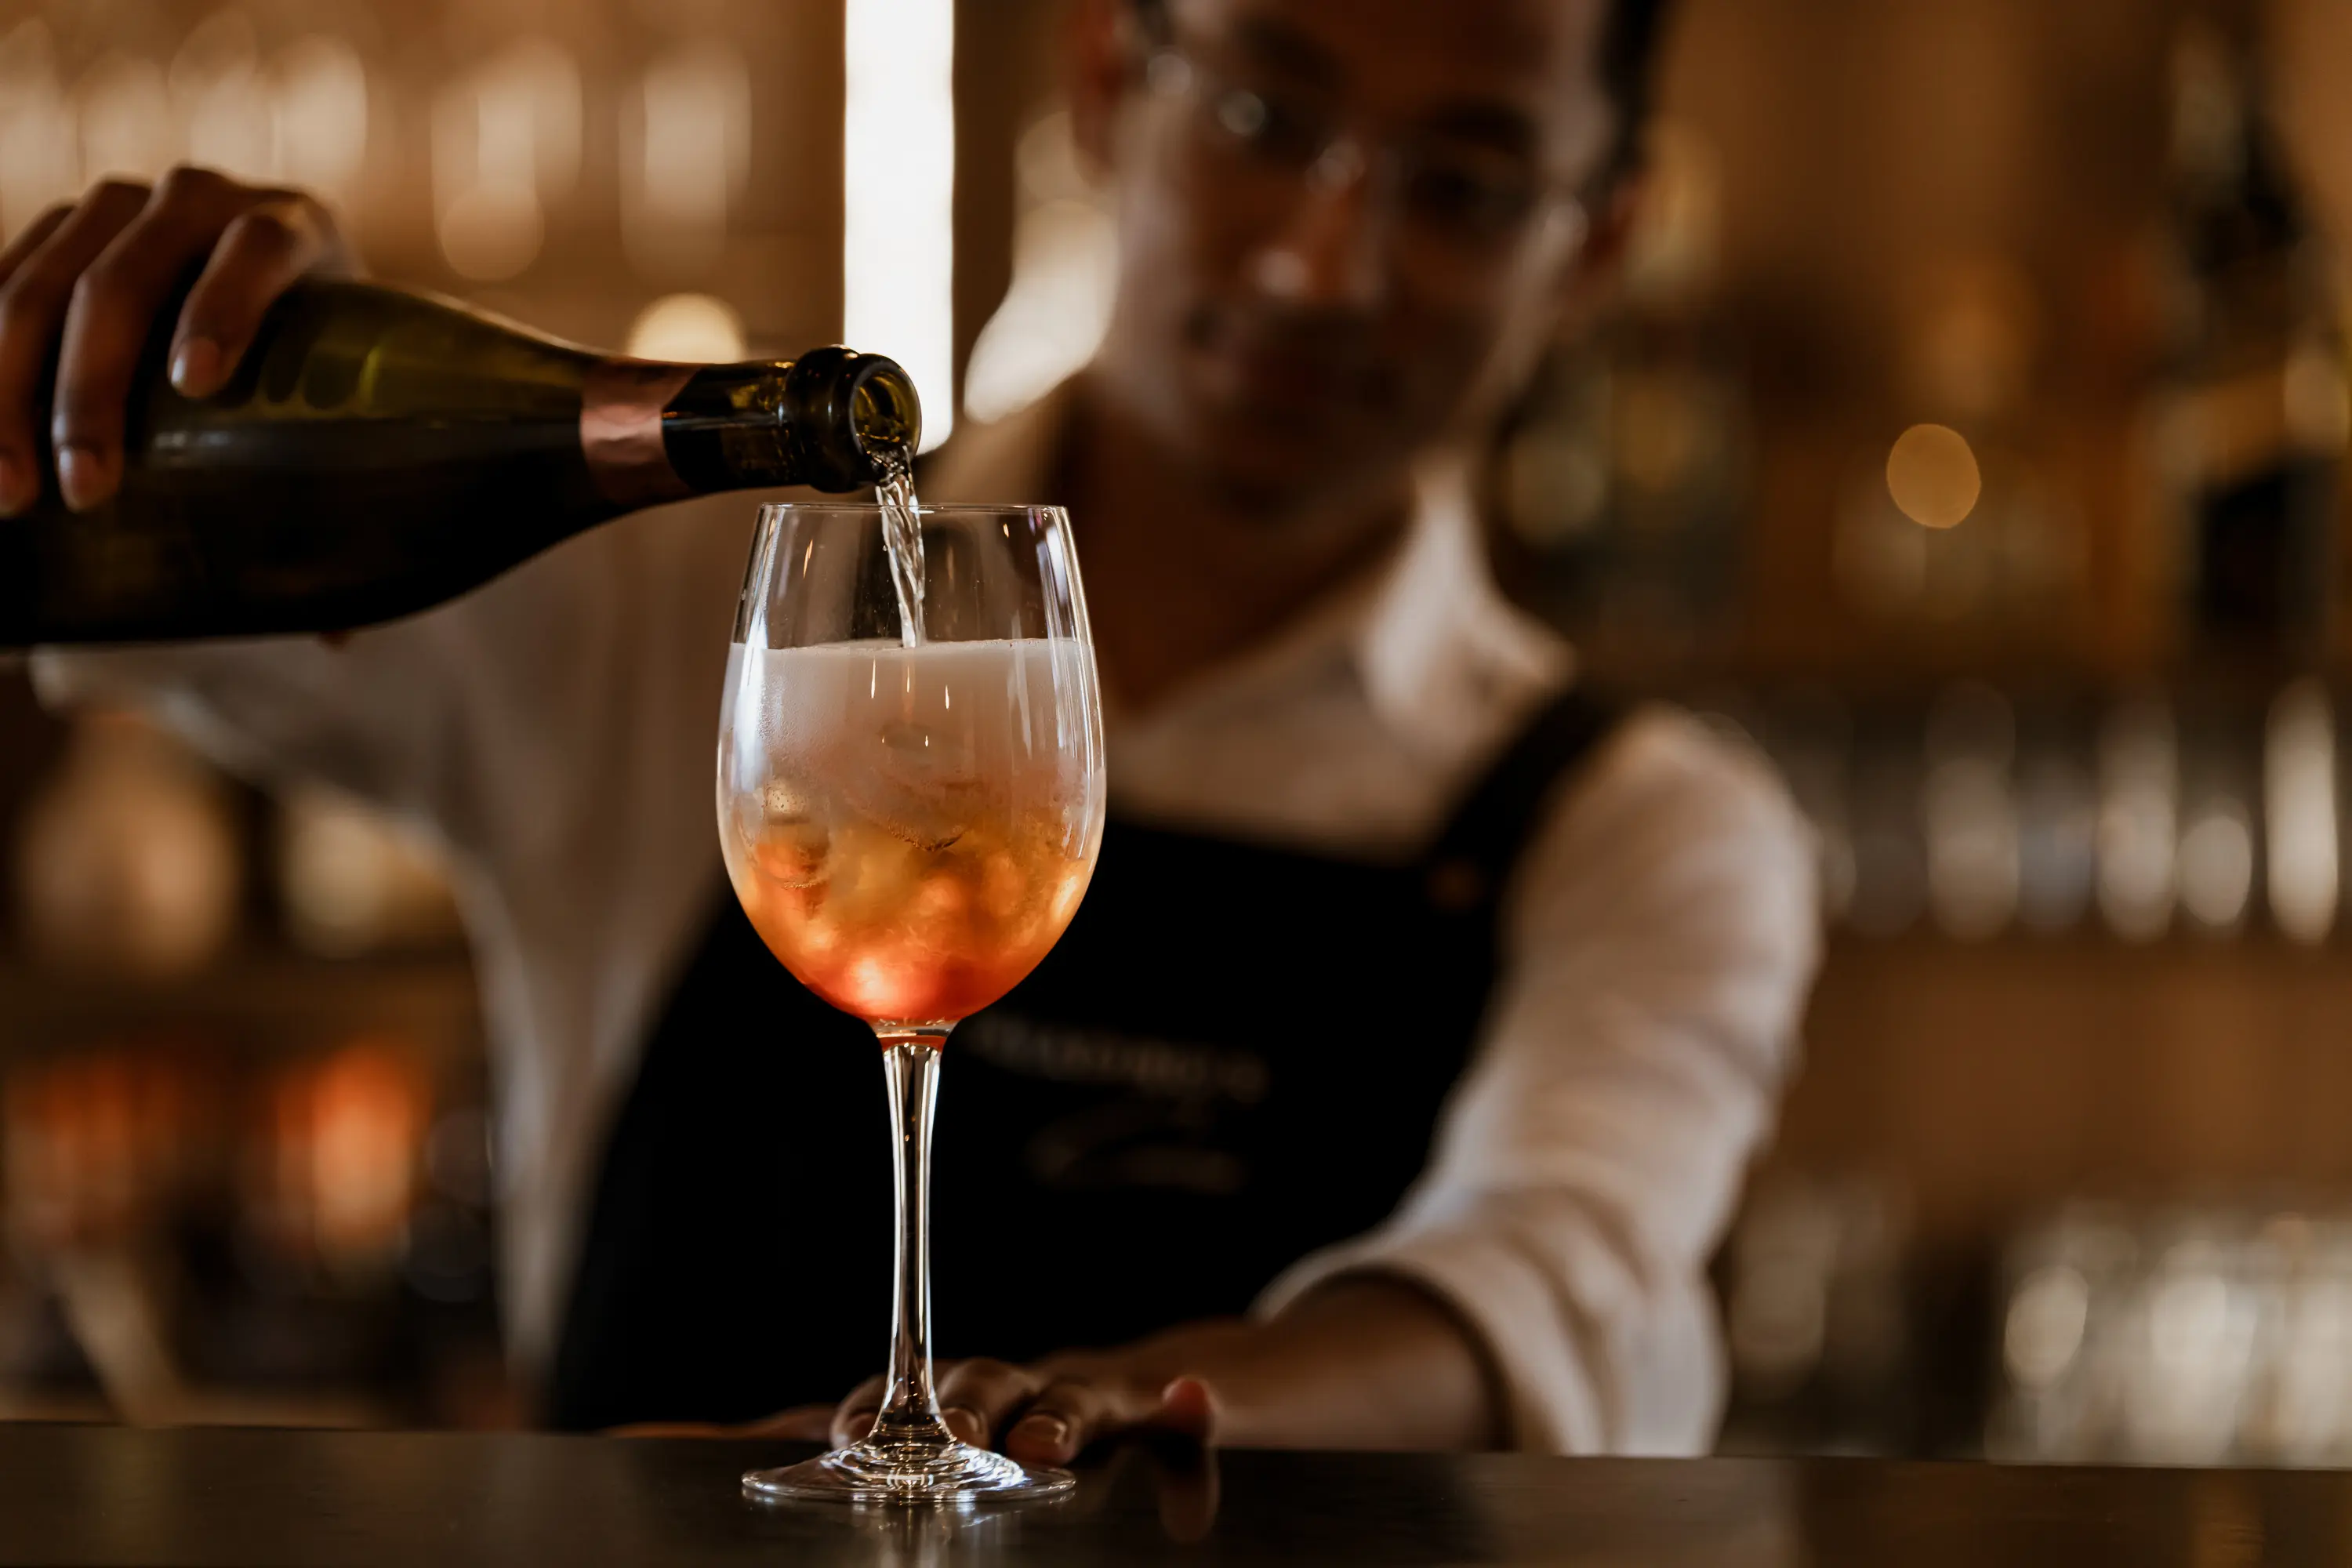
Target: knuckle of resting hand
(264,230)
(980,1373)
(117,194)
(187,182)
(1069,1392)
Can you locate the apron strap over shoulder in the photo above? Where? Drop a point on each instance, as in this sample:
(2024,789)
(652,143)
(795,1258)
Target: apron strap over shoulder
(1471,859)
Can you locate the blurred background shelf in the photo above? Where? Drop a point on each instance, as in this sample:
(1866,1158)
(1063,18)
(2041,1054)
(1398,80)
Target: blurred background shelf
(255,1001)
(1981,1078)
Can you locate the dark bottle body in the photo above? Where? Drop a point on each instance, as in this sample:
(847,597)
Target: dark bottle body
(379,452)
(2253,470)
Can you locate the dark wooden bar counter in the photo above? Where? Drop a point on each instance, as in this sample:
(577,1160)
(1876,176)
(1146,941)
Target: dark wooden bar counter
(82,1495)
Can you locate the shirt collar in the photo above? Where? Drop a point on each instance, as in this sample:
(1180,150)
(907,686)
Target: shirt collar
(1437,647)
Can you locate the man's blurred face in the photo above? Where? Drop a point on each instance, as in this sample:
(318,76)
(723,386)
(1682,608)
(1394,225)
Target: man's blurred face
(1344,226)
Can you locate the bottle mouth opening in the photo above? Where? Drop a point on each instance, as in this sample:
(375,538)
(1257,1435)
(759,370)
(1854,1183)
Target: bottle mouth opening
(886,420)
(853,418)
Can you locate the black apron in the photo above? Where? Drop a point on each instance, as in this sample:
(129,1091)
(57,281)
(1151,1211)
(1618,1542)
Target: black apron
(1237,1054)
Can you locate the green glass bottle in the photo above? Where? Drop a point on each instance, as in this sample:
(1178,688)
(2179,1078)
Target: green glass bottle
(380,451)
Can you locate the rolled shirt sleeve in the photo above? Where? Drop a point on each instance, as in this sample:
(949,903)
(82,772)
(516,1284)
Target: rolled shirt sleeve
(1659,939)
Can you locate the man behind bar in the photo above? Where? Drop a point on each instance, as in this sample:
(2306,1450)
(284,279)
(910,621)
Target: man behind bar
(1397,1075)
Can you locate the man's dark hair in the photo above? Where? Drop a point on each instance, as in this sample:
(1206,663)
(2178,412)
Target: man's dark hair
(1630,47)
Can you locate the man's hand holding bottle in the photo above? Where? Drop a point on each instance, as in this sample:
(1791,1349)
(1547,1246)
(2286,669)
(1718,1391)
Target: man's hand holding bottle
(88,285)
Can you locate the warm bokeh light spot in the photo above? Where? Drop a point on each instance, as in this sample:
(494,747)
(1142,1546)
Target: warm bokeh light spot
(1933,477)
(701,328)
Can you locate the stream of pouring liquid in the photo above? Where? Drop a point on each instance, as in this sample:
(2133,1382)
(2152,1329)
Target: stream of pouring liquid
(902,533)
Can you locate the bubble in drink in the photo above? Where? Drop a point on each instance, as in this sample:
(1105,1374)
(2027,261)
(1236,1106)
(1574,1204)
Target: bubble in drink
(910,833)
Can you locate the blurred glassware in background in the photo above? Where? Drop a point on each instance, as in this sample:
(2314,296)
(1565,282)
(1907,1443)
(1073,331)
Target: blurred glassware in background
(2057,813)
(2179,1334)
(298,113)
(1890,847)
(582,154)
(354,880)
(1990,813)
(126,118)
(128,858)
(2300,795)
(1970,811)
(2216,861)
(506,144)
(686,157)
(2139,818)
(39,159)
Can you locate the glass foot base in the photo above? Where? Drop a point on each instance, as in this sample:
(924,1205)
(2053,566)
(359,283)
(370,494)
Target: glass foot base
(955,1475)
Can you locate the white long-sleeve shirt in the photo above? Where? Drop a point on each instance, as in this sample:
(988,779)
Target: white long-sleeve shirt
(556,731)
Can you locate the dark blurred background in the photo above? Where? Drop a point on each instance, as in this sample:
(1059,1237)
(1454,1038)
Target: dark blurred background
(1969,434)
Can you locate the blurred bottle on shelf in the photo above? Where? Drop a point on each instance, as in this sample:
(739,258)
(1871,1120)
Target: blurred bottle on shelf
(128,856)
(1627,476)
(2249,424)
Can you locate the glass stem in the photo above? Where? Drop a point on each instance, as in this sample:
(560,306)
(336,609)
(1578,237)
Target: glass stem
(910,1412)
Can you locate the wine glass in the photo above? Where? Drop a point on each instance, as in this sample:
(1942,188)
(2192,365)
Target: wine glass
(910,823)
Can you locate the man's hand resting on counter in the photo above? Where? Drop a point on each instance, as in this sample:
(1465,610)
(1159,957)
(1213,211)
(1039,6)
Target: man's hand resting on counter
(1364,1362)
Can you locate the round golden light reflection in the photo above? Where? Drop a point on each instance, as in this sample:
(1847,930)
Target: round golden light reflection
(1933,477)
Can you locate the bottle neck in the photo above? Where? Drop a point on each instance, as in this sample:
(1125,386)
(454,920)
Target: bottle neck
(653,432)
(832,419)
(731,427)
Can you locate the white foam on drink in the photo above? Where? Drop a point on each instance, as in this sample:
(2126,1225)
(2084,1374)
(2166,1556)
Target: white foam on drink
(920,739)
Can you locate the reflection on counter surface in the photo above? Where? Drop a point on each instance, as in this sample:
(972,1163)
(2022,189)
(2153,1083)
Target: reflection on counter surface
(91,1496)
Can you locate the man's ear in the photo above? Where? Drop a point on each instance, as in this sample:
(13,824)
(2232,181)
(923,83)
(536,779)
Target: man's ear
(1102,62)
(1600,263)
